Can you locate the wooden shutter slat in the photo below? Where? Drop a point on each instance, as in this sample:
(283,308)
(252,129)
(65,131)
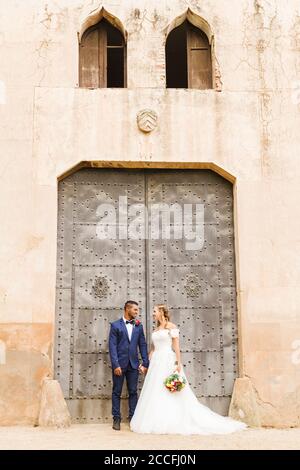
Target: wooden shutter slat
(102,56)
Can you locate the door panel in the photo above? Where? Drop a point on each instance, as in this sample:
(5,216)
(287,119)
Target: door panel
(199,285)
(95,277)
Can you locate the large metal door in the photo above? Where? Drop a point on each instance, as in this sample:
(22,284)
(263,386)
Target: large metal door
(97,275)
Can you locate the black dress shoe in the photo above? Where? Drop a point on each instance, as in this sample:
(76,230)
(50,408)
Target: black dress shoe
(117,424)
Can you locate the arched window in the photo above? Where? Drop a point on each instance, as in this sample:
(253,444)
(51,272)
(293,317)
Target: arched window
(188,58)
(102,57)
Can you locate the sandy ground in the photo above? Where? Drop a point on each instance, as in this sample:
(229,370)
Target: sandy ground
(102,436)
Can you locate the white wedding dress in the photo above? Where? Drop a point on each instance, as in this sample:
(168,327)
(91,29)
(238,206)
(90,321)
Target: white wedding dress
(161,412)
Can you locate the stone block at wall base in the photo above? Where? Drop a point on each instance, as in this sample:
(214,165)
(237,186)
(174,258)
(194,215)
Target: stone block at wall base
(53,410)
(243,404)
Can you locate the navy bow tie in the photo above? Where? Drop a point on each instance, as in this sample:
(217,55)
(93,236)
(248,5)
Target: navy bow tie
(130,321)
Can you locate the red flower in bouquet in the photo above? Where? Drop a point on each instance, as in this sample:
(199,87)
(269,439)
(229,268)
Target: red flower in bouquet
(175,382)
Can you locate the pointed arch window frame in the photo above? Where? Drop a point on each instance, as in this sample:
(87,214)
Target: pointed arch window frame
(91,23)
(200,23)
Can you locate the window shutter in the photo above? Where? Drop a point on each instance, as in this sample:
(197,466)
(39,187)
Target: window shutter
(89,60)
(102,57)
(199,59)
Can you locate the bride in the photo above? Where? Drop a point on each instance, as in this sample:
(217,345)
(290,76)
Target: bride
(161,412)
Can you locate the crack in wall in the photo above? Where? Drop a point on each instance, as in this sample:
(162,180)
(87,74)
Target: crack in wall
(260,401)
(53,22)
(138,20)
(192,4)
(262,42)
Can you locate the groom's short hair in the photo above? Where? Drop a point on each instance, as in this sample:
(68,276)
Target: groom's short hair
(130,302)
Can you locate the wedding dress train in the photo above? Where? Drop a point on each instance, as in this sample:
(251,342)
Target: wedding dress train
(161,412)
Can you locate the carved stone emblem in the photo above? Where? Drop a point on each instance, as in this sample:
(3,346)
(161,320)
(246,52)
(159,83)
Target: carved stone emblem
(147,120)
(100,287)
(192,285)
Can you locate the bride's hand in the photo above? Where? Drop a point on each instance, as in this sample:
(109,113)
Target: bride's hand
(178,368)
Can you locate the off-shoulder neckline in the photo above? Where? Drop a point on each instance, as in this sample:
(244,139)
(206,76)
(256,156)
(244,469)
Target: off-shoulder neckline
(165,329)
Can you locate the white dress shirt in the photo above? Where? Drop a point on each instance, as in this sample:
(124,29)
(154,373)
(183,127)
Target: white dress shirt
(129,327)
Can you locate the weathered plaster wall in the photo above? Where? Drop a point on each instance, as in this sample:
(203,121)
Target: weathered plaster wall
(251,129)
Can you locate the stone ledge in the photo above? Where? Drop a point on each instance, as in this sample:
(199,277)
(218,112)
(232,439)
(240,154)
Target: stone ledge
(243,404)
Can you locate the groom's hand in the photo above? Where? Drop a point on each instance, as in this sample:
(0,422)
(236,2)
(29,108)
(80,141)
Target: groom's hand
(143,369)
(118,371)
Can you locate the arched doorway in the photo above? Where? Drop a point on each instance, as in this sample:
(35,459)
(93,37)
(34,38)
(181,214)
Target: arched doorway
(96,275)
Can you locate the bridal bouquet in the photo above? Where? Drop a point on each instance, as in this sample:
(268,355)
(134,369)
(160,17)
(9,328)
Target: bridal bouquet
(175,382)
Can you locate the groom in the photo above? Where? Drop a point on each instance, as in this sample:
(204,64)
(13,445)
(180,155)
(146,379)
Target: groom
(125,338)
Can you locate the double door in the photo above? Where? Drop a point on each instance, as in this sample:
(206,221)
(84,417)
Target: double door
(154,237)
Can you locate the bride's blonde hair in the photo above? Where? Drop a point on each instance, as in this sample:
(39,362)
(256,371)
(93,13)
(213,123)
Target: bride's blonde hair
(165,315)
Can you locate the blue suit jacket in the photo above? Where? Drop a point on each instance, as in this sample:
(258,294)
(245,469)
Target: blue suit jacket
(122,351)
